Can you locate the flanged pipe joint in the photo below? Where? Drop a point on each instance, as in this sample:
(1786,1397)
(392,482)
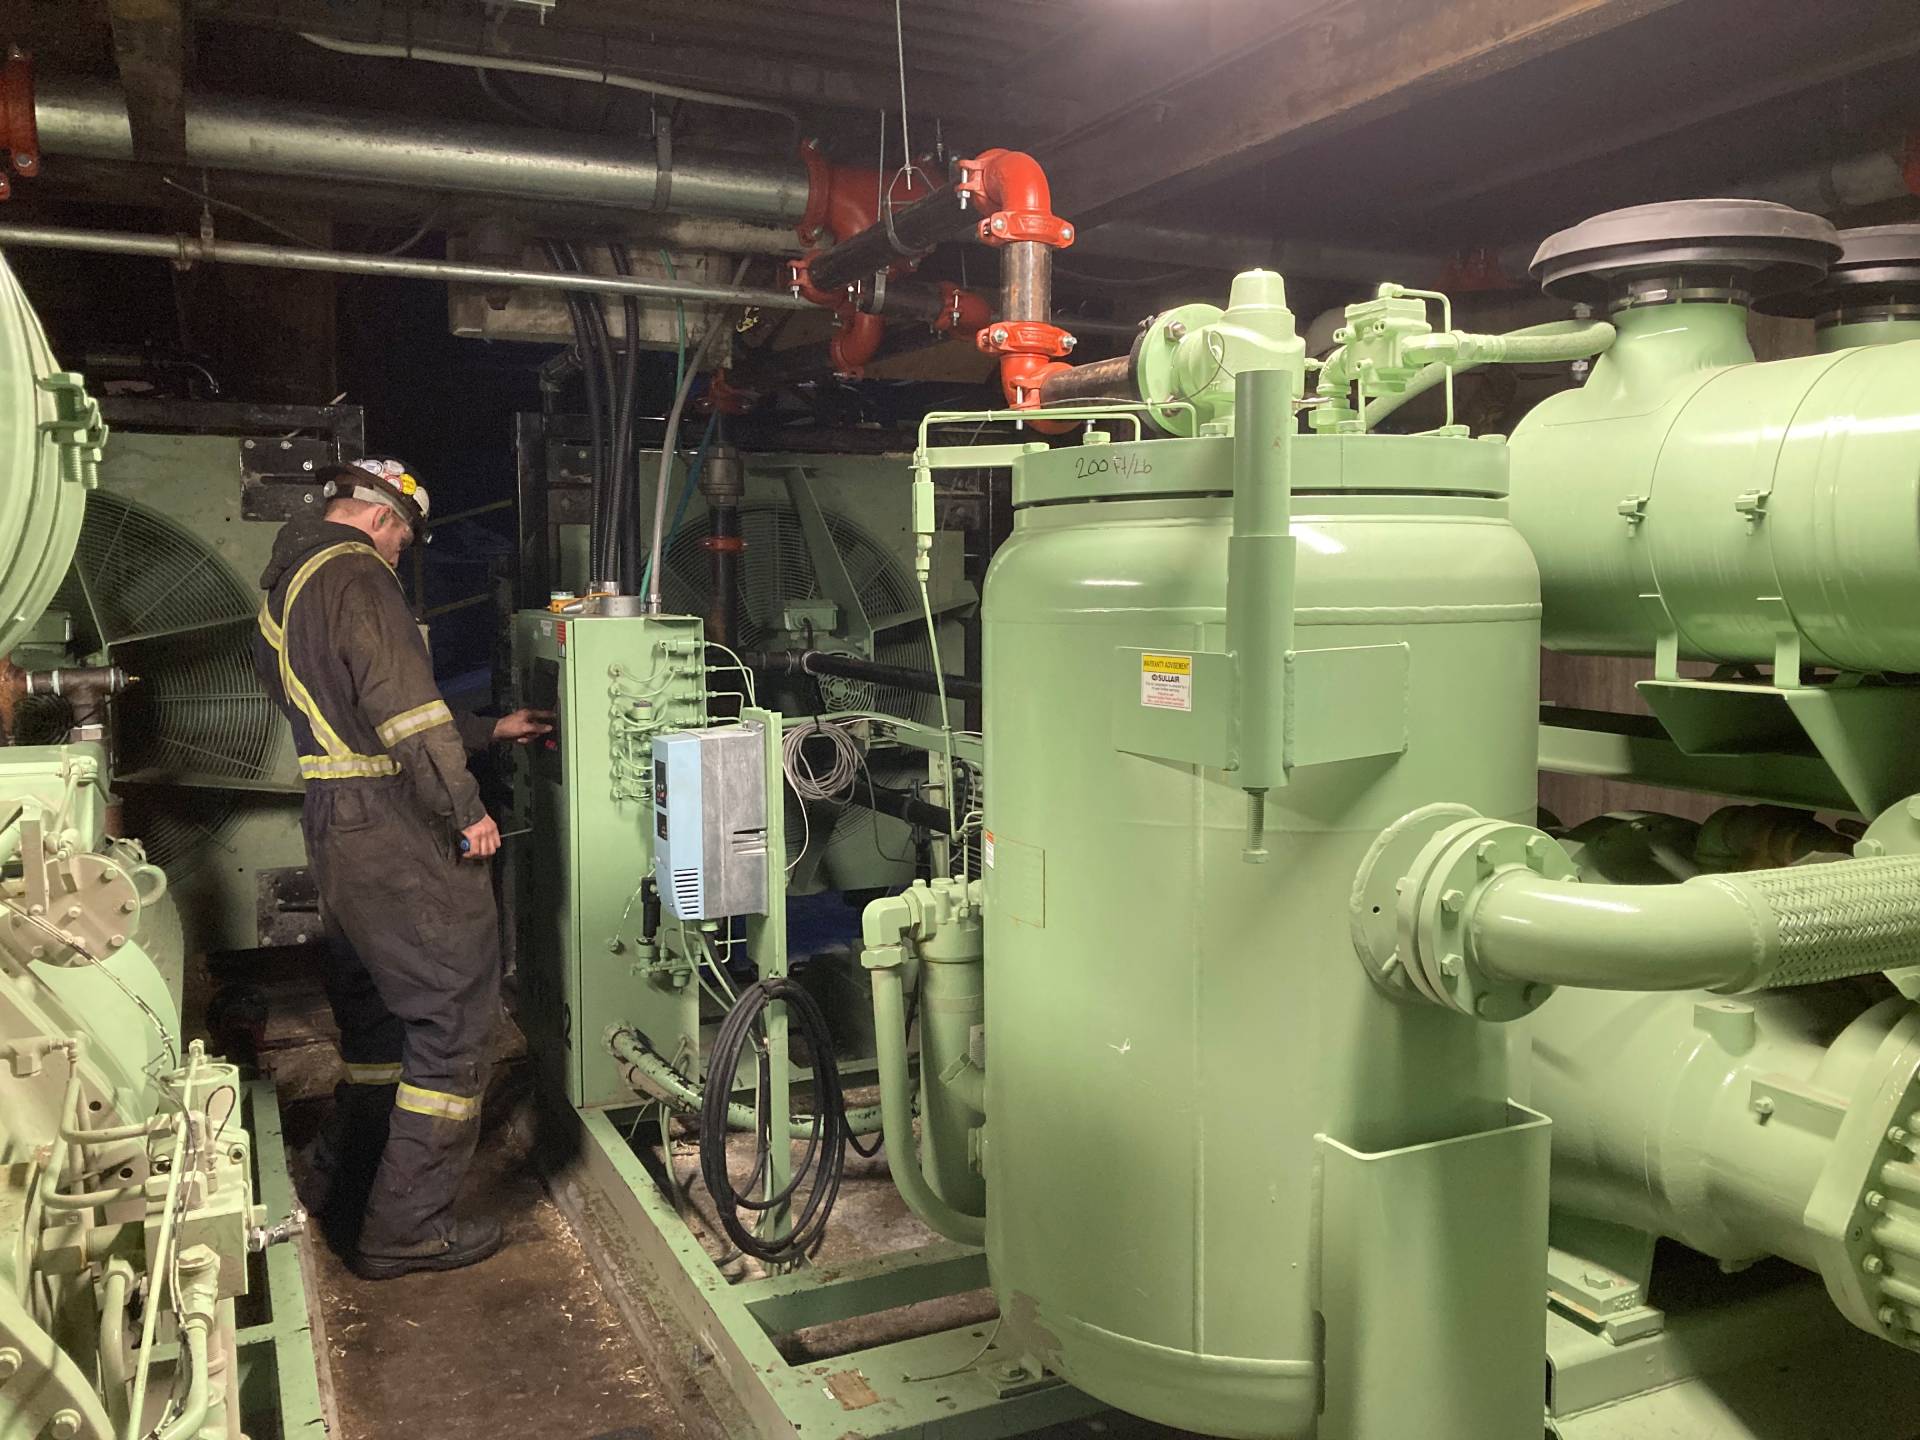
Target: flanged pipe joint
(1487,917)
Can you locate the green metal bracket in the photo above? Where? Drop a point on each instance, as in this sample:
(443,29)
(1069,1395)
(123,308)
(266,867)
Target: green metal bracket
(1381,1244)
(1341,703)
(1598,1274)
(1636,750)
(829,568)
(1862,733)
(77,428)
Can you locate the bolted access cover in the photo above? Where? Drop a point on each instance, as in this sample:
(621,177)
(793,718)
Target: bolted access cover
(1755,246)
(1877,263)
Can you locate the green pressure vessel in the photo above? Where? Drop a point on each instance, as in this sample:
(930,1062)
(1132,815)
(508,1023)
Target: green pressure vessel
(1170,1029)
(49,455)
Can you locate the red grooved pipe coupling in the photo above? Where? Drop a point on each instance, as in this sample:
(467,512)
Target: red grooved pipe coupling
(961,309)
(1024,337)
(801,284)
(19,135)
(1012,190)
(724,397)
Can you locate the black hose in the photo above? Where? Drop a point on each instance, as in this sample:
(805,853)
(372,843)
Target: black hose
(602,342)
(582,311)
(824,1162)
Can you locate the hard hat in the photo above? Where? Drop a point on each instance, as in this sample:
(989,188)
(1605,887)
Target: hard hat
(382,480)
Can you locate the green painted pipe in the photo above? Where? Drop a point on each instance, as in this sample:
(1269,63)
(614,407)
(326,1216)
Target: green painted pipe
(1761,929)
(663,1080)
(890,1047)
(197,1274)
(1260,575)
(1553,342)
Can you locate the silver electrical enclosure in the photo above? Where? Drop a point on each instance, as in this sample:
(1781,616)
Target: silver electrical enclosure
(710,822)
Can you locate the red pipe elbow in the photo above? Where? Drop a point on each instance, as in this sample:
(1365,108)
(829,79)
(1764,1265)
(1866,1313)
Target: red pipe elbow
(1014,197)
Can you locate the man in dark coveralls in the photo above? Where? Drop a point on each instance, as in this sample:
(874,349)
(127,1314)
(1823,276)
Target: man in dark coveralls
(398,841)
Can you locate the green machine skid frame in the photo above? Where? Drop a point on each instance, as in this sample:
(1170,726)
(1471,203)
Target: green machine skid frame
(284,1394)
(615,681)
(955,1384)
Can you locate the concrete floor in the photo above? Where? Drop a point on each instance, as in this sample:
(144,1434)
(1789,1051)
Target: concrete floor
(528,1342)
(525,1343)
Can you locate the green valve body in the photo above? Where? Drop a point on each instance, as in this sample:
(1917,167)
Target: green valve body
(1177,1040)
(1691,503)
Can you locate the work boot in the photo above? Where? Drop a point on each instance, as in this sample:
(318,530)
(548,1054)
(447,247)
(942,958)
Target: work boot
(467,1242)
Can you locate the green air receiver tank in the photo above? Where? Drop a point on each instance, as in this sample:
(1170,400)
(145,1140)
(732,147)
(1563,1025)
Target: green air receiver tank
(1212,1142)
(1690,502)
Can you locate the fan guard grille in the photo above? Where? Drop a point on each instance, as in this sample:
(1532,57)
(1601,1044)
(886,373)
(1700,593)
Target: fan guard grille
(163,605)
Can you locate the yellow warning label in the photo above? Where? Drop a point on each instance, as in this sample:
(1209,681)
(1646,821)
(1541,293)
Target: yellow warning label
(1166,681)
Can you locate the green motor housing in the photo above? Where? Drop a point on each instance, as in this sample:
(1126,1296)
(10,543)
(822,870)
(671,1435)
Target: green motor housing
(1690,503)
(50,440)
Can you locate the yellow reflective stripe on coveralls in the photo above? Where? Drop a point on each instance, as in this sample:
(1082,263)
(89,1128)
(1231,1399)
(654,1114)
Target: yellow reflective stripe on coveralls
(339,762)
(412,722)
(373,1074)
(346,767)
(437,1103)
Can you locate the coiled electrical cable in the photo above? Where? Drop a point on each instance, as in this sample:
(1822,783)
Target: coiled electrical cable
(835,783)
(824,1162)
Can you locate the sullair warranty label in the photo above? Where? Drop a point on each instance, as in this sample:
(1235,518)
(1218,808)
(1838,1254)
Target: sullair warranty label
(1166,681)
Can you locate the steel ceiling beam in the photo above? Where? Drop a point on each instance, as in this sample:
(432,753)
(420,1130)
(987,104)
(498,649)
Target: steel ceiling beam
(1296,78)
(151,45)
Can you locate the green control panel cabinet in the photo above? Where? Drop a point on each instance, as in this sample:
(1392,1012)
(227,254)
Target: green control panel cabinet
(586,797)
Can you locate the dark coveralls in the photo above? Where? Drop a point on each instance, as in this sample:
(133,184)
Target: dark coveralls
(413,970)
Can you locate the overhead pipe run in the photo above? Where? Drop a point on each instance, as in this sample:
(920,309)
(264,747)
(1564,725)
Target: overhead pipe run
(224,132)
(189,249)
(85,120)
(552,70)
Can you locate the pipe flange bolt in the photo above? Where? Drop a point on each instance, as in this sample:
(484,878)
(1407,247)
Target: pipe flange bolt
(1434,914)
(1373,907)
